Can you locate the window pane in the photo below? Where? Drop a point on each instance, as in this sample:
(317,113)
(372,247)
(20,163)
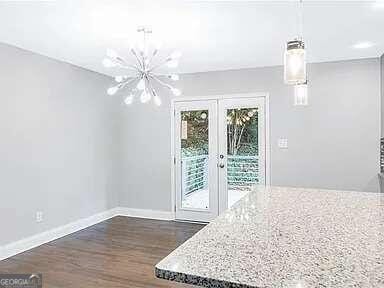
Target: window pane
(242,151)
(194,159)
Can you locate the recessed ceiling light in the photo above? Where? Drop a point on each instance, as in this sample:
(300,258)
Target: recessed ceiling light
(363,45)
(378,4)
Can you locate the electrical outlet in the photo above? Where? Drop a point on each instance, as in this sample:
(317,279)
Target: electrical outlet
(39,216)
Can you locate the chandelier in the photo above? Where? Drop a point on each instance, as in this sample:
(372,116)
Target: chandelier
(143,79)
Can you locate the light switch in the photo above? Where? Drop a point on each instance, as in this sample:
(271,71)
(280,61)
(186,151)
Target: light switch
(283,143)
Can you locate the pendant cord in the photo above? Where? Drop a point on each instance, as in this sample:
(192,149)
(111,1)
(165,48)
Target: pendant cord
(144,49)
(301,19)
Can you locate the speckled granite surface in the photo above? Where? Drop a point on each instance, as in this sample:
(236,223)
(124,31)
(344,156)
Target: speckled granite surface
(287,237)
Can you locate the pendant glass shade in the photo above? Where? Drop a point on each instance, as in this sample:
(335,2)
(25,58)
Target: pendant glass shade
(295,71)
(301,94)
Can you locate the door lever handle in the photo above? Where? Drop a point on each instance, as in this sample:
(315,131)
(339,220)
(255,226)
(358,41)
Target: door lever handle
(221,165)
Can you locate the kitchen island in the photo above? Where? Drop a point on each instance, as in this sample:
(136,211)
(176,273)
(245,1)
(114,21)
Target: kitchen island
(287,237)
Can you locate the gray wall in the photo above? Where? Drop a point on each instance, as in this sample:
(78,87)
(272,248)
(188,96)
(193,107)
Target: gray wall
(70,151)
(333,143)
(382,123)
(58,135)
(382,94)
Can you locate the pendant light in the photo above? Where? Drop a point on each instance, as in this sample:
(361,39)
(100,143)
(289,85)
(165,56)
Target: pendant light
(301,94)
(295,71)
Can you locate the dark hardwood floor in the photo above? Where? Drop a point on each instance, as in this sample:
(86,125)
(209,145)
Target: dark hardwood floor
(119,252)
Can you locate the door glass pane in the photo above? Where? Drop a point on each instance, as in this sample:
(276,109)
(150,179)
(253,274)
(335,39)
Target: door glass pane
(242,152)
(194,159)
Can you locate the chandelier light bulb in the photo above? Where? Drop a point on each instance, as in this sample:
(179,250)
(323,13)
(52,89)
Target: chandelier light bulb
(112,54)
(133,51)
(108,63)
(112,90)
(119,78)
(176,91)
(128,100)
(145,97)
(141,84)
(157,100)
(155,52)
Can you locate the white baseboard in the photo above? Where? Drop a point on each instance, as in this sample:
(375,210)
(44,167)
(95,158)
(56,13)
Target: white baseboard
(17,247)
(25,244)
(145,213)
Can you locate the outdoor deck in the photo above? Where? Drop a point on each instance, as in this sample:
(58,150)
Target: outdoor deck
(200,198)
(242,173)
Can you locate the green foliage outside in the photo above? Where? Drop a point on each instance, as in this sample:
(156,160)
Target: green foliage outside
(241,132)
(242,140)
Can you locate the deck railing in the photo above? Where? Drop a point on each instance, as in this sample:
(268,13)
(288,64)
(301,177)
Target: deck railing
(194,173)
(242,172)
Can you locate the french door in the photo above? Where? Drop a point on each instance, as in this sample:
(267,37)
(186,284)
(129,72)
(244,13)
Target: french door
(219,154)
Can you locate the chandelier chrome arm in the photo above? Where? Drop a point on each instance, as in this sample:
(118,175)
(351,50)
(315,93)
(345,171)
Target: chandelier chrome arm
(174,77)
(137,59)
(174,90)
(132,67)
(168,59)
(112,90)
(161,82)
(128,82)
(157,66)
(120,62)
(152,56)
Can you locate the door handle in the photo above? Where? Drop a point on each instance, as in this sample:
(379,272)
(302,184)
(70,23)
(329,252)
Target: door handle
(221,165)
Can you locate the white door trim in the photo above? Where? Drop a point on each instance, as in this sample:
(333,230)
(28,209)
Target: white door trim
(220,96)
(268,169)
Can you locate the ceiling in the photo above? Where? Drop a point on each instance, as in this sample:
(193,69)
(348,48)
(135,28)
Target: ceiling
(212,35)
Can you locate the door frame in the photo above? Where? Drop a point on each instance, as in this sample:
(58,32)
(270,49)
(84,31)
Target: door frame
(264,95)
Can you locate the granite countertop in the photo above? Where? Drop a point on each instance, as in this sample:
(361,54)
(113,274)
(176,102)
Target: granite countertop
(287,237)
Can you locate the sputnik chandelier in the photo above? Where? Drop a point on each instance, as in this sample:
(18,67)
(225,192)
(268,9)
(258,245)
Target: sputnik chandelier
(144,79)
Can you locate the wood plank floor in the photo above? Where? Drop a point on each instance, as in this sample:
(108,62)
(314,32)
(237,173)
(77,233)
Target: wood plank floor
(120,252)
